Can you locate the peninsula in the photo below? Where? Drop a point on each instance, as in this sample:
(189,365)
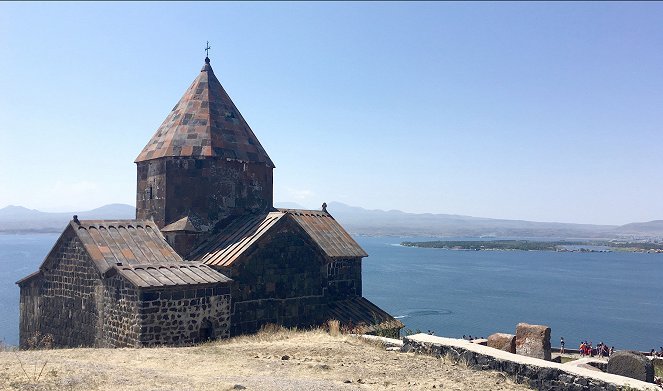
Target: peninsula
(528,245)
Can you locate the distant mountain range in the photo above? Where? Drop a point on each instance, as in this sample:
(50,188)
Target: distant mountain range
(360,221)
(17,219)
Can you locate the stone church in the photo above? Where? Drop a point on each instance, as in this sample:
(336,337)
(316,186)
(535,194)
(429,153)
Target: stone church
(207,257)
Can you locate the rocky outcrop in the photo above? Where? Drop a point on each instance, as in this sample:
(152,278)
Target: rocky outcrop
(502,341)
(533,341)
(631,364)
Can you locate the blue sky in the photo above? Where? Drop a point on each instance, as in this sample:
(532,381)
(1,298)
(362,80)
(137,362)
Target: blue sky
(537,111)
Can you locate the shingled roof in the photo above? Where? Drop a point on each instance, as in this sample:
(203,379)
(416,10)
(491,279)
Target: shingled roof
(137,250)
(205,123)
(225,247)
(186,273)
(360,312)
(234,240)
(327,233)
(124,242)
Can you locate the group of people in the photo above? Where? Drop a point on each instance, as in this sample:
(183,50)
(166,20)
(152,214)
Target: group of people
(601,350)
(586,349)
(654,353)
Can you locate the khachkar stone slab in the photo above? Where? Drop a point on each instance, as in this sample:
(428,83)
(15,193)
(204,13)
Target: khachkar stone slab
(502,341)
(631,364)
(533,340)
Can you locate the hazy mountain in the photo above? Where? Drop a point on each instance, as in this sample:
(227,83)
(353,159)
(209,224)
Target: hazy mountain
(363,222)
(649,228)
(20,219)
(394,222)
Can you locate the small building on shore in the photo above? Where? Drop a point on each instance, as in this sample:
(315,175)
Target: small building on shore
(208,255)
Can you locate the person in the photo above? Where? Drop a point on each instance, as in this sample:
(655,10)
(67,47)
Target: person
(612,350)
(561,343)
(606,351)
(582,348)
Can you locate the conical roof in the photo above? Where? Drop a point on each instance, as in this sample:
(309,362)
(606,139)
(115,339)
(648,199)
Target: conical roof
(205,123)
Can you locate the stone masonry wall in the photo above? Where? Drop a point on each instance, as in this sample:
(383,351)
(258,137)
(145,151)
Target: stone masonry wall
(211,188)
(183,315)
(62,301)
(29,309)
(282,280)
(151,191)
(344,278)
(121,322)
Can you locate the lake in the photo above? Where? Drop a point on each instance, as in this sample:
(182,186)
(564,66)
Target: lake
(616,298)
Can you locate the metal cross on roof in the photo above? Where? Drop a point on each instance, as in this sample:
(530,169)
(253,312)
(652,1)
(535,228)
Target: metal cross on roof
(207,48)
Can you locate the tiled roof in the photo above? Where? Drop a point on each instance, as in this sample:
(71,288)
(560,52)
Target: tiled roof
(184,273)
(204,123)
(227,246)
(358,311)
(28,277)
(137,251)
(327,233)
(127,242)
(184,224)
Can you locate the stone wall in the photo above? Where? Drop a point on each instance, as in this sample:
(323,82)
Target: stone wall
(62,301)
(536,373)
(282,280)
(71,301)
(121,322)
(29,309)
(344,278)
(211,188)
(151,191)
(183,315)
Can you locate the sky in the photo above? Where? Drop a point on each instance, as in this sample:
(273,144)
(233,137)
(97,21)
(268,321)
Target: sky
(548,111)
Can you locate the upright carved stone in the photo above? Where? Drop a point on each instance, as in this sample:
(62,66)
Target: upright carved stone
(533,340)
(501,341)
(631,364)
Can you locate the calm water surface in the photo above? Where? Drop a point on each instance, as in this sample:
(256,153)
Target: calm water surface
(616,298)
(611,297)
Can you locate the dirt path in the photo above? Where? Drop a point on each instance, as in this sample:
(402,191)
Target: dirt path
(283,360)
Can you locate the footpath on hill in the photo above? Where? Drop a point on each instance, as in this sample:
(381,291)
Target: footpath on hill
(278,360)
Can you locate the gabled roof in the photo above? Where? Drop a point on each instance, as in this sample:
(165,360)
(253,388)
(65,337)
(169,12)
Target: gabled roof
(125,242)
(358,312)
(225,247)
(136,250)
(185,224)
(327,233)
(184,273)
(234,240)
(205,123)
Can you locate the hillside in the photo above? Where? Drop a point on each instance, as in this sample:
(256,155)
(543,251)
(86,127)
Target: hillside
(18,219)
(360,221)
(315,361)
(397,223)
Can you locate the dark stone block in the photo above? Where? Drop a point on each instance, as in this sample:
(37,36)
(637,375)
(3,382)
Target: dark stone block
(177,295)
(149,295)
(631,364)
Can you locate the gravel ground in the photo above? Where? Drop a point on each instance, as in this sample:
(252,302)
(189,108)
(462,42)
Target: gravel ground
(280,360)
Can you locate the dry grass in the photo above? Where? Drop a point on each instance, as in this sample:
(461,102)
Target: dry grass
(274,359)
(334,327)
